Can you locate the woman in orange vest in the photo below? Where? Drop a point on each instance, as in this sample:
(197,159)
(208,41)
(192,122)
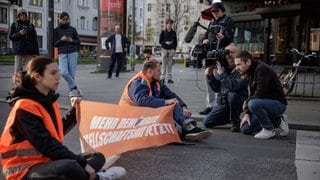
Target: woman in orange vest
(31,142)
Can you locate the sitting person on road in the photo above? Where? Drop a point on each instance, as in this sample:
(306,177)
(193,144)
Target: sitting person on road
(232,91)
(147,53)
(145,89)
(31,143)
(266,103)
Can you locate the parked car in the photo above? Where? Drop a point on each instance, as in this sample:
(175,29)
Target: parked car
(6,51)
(158,57)
(177,57)
(43,52)
(93,54)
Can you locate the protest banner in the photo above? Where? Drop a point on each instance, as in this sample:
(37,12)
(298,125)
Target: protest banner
(112,129)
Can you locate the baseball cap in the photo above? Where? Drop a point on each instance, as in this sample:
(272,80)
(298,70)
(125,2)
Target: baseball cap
(216,6)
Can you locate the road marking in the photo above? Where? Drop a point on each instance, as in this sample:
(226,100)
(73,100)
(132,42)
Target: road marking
(307,159)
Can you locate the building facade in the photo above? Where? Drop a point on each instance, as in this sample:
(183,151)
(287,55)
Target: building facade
(83,16)
(270,28)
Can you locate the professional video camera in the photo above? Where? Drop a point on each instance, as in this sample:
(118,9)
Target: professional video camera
(216,55)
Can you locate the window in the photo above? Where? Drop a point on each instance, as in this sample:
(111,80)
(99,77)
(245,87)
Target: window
(82,22)
(57,17)
(95,24)
(140,13)
(149,7)
(36,3)
(149,22)
(16,2)
(95,4)
(3,17)
(249,36)
(36,19)
(82,2)
(167,7)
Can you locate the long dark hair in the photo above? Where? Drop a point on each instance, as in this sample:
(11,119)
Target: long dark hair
(37,64)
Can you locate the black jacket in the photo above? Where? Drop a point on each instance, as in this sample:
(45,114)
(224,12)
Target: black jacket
(222,25)
(226,82)
(264,82)
(29,126)
(66,47)
(165,35)
(24,44)
(125,43)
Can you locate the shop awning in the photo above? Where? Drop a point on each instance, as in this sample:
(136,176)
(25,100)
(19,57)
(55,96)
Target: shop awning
(3,30)
(89,41)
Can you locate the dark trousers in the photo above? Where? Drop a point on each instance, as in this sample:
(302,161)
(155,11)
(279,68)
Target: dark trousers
(65,168)
(224,113)
(119,58)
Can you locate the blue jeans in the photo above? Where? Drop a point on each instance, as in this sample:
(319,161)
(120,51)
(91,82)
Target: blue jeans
(66,168)
(179,118)
(67,66)
(224,113)
(119,58)
(263,114)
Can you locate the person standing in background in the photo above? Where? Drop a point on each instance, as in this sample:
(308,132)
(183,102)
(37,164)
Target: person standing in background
(24,39)
(119,48)
(67,41)
(168,41)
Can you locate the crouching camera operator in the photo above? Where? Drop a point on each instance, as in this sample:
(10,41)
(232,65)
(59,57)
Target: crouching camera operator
(231,91)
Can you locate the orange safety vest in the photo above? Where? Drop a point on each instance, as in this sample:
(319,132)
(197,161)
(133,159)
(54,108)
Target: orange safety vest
(125,99)
(18,158)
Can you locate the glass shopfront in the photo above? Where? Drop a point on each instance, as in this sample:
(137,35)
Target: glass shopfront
(249,36)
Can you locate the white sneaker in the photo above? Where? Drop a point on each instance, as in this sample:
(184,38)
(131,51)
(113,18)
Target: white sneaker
(115,172)
(265,134)
(284,128)
(75,93)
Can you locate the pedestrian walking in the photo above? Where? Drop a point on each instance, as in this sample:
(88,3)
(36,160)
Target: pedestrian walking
(67,41)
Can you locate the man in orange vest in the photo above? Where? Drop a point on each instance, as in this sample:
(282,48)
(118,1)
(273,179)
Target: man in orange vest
(145,89)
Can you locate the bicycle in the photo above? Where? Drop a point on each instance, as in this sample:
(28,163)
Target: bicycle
(289,74)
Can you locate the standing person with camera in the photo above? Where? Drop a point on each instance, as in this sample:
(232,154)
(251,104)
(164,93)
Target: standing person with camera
(67,40)
(231,89)
(24,39)
(219,34)
(168,41)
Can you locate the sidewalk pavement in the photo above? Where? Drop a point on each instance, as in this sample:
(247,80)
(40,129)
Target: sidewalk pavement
(189,84)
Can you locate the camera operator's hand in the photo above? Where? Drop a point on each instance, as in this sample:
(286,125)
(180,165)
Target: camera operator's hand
(219,36)
(219,68)
(205,41)
(171,101)
(208,71)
